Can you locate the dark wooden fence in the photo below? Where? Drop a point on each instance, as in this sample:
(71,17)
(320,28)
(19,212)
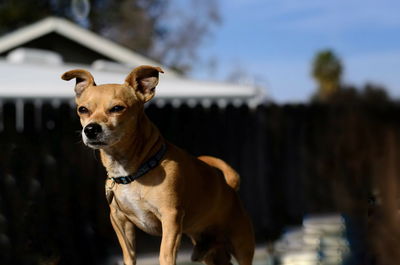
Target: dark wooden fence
(293,160)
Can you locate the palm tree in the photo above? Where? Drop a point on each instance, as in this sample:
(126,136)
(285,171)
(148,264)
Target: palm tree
(327,70)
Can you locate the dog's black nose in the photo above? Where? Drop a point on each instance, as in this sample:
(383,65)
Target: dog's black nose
(92,130)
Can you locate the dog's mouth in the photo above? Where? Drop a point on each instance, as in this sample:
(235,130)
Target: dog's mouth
(96,144)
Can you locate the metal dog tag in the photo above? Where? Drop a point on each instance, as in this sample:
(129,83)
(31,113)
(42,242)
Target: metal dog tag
(109,195)
(109,191)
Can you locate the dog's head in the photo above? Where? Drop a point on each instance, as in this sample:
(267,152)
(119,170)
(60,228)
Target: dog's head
(107,112)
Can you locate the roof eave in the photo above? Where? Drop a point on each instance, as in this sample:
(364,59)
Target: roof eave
(79,35)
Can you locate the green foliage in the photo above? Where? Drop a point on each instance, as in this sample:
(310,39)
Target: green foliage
(327,71)
(14,14)
(370,94)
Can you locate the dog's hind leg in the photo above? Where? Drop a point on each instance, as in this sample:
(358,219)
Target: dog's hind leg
(242,240)
(199,252)
(210,251)
(202,245)
(218,256)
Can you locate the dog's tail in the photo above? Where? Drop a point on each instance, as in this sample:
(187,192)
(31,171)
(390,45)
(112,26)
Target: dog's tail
(231,176)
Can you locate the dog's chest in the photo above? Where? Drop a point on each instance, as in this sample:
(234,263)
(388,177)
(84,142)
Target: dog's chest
(139,210)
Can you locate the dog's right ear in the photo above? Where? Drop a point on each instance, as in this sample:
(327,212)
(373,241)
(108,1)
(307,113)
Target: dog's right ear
(84,79)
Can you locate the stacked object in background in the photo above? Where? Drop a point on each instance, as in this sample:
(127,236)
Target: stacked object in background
(320,241)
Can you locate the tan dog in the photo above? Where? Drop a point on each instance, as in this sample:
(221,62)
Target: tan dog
(177,194)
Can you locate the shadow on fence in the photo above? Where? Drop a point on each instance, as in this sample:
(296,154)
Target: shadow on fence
(292,159)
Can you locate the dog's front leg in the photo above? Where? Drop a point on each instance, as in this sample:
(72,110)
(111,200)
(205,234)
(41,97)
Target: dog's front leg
(125,231)
(171,236)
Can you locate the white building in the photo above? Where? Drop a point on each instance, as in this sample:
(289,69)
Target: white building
(33,58)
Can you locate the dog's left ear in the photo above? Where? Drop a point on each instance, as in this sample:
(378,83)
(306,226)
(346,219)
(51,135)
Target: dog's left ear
(143,80)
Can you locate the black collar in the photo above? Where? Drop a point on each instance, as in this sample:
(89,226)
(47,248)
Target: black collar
(144,168)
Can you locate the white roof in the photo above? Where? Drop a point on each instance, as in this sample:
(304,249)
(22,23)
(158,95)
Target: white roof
(29,80)
(28,73)
(78,34)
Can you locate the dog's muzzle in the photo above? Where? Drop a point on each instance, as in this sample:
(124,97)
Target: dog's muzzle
(92,130)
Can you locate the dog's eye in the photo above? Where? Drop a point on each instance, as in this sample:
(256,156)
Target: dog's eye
(83,110)
(117,108)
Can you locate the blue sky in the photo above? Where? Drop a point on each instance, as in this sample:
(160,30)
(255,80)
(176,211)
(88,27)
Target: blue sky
(273,42)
